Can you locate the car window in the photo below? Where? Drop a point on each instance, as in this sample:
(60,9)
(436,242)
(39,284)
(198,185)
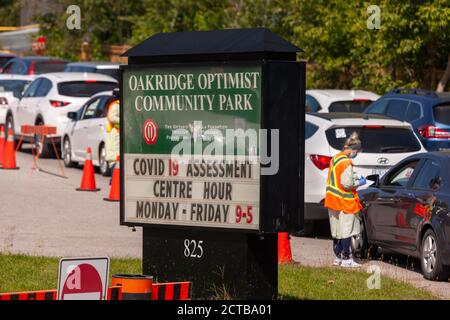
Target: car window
(91,108)
(429,176)
(378,107)
(16,67)
(103,106)
(441,113)
(32,89)
(14,86)
(84,88)
(49,66)
(312,105)
(414,112)
(401,177)
(310,129)
(397,109)
(376,139)
(356,106)
(44,88)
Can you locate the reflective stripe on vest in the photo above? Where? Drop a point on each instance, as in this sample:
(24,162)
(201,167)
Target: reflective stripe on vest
(336,197)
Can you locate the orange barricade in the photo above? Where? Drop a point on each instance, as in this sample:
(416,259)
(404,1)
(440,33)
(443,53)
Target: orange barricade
(114,293)
(172,291)
(43,131)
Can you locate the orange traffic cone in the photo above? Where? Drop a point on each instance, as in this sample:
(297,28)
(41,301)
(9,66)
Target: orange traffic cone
(284,248)
(2,143)
(9,153)
(114,192)
(88,179)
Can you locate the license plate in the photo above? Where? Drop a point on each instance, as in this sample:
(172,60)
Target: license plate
(379,172)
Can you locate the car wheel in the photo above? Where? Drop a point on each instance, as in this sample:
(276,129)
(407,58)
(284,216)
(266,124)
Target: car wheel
(105,169)
(41,146)
(67,153)
(431,259)
(361,247)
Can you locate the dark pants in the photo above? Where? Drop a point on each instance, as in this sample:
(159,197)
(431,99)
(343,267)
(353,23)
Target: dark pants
(341,248)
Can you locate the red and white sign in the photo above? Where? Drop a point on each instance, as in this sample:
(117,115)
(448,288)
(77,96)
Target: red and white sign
(83,278)
(150,131)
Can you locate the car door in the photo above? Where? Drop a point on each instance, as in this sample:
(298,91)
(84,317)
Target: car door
(419,200)
(97,127)
(21,116)
(80,137)
(383,213)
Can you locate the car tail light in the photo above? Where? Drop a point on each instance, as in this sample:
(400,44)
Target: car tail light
(431,131)
(3,101)
(58,104)
(362,100)
(90,81)
(321,162)
(31,69)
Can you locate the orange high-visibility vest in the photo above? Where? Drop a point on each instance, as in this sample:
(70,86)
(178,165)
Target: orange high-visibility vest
(109,125)
(337,198)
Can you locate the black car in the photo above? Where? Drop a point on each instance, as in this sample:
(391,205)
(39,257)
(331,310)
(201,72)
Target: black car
(407,211)
(34,65)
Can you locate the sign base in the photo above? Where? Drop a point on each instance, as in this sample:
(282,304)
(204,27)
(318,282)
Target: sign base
(221,265)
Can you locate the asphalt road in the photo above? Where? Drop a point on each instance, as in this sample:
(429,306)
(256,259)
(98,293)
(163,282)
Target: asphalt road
(42,214)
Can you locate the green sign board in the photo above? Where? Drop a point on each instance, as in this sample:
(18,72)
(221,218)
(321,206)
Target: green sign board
(191,145)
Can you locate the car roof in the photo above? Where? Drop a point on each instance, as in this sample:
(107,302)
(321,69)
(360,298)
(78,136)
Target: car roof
(96,64)
(7,76)
(348,118)
(103,93)
(7,55)
(338,94)
(424,96)
(39,58)
(76,76)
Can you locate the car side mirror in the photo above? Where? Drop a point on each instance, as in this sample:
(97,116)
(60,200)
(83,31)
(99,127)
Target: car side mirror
(72,115)
(375,178)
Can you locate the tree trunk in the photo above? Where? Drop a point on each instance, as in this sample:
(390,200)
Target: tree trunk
(443,82)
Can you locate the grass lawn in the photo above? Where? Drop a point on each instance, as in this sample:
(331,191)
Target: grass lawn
(295,282)
(24,273)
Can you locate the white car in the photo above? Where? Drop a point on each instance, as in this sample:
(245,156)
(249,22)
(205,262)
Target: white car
(49,98)
(339,100)
(385,142)
(87,129)
(11,88)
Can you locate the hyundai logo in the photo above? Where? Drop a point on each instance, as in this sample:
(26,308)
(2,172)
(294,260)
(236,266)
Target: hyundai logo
(383,160)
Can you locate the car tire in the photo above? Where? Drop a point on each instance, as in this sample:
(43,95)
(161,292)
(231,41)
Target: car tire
(42,147)
(361,247)
(104,167)
(67,153)
(431,258)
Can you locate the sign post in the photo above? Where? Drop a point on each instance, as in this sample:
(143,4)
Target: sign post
(212,145)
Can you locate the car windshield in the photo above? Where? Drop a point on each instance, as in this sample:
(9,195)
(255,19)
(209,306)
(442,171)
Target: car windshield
(357,106)
(15,86)
(3,61)
(442,113)
(110,72)
(49,66)
(84,88)
(376,139)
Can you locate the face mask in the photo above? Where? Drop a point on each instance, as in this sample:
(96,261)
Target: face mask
(353,155)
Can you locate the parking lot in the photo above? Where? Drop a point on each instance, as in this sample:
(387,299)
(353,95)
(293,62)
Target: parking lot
(42,214)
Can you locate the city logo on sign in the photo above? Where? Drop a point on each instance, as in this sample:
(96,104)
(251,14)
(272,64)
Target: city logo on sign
(383,160)
(150,131)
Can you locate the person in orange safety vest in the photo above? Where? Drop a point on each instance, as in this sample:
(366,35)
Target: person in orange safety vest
(342,201)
